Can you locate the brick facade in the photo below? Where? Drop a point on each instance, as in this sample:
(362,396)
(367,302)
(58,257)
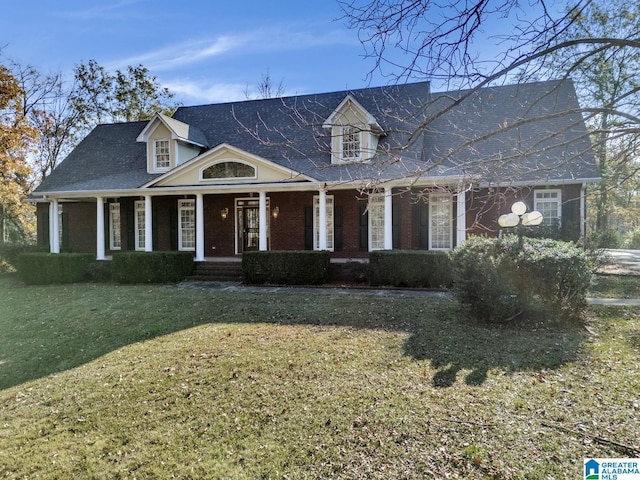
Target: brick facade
(287,231)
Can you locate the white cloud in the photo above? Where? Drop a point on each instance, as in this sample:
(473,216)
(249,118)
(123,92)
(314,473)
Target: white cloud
(191,92)
(181,54)
(262,40)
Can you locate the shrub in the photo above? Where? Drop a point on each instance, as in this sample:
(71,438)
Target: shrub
(286,267)
(151,267)
(46,268)
(410,268)
(9,253)
(503,279)
(632,240)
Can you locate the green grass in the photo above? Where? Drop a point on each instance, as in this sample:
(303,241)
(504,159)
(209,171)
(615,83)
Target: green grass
(108,381)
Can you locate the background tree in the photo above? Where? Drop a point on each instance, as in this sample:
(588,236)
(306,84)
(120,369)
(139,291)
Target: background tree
(266,88)
(607,78)
(16,138)
(131,95)
(595,40)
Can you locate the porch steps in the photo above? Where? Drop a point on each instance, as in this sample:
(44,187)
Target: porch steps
(217,272)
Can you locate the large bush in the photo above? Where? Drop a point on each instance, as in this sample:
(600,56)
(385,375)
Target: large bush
(410,268)
(286,267)
(151,267)
(9,253)
(506,279)
(45,268)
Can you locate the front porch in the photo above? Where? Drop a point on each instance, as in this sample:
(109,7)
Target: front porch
(220,226)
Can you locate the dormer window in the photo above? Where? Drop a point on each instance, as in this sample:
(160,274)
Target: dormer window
(161,156)
(354,132)
(350,143)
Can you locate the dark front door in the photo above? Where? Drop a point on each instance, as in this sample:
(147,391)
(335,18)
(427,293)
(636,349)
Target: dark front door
(250,228)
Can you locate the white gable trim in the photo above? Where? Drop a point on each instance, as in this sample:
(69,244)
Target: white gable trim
(204,160)
(331,121)
(179,130)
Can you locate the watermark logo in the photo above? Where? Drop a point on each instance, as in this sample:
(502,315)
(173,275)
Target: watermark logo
(612,469)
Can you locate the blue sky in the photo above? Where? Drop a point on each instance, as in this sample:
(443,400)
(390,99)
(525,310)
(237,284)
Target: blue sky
(204,51)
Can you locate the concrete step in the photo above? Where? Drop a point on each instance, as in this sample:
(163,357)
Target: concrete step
(217,271)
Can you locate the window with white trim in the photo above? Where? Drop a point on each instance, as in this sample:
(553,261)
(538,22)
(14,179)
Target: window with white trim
(139,219)
(186,225)
(316,222)
(161,155)
(440,221)
(376,222)
(350,143)
(115,236)
(549,204)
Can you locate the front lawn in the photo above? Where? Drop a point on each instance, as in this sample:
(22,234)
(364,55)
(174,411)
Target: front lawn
(110,381)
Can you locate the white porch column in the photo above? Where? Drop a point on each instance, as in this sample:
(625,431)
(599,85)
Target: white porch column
(322,219)
(388,218)
(199,227)
(263,221)
(54,226)
(461,216)
(148,224)
(100,228)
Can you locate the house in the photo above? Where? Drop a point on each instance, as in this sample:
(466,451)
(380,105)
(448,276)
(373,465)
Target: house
(350,172)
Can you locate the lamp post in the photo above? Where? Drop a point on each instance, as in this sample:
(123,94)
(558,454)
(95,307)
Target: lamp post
(519,217)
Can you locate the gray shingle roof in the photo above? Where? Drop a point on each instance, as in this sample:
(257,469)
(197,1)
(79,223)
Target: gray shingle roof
(109,158)
(536,141)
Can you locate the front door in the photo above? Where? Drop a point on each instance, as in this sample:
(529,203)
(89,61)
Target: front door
(250,220)
(248,225)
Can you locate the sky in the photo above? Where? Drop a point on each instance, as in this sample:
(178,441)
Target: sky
(204,51)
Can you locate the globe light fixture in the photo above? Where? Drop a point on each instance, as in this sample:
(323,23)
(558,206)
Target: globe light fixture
(519,215)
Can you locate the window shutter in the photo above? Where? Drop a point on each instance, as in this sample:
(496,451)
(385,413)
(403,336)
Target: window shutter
(423,225)
(131,215)
(364,228)
(44,229)
(337,228)
(173,219)
(154,229)
(395,226)
(65,231)
(308,228)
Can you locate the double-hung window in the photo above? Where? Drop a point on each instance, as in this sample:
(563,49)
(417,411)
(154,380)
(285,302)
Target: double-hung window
(549,204)
(186,225)
(316,222)
(440,222)
(350,143)
(115,238)
(161,155)
(139,225)
(376,222)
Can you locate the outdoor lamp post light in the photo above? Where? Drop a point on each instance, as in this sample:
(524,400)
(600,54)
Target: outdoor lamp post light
(519,216)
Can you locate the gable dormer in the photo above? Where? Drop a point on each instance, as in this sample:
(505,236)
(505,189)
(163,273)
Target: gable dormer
(354,132)
(170,143)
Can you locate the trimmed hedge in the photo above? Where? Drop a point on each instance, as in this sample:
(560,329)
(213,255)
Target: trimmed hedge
(46,268)
(499,280)
(291,267)
(9,253)
(151,267)
(410,268)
